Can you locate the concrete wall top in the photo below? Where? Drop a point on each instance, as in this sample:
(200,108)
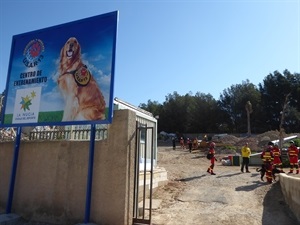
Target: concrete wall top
(290,187)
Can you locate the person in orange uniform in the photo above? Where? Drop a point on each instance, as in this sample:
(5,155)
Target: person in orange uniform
(212,157)
(182,143)
(195,143)
(267,158)
(293,156)
(277,160)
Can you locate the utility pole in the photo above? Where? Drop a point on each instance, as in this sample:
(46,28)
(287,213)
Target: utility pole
(285,105)
(249,110)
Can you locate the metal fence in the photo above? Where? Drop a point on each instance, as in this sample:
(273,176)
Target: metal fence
(7,134)
(56,133)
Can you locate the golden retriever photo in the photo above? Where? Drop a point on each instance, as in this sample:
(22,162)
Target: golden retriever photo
(83,98)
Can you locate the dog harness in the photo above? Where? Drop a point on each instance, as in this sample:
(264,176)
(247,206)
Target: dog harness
(81,75)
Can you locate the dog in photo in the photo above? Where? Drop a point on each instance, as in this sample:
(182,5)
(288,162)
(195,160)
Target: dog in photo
(82,95)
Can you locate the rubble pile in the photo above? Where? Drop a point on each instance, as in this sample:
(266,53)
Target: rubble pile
(255,142)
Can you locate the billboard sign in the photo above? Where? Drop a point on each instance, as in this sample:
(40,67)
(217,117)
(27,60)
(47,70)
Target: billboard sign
(63,74)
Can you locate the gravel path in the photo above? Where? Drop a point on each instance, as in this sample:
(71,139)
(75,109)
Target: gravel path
(194,197)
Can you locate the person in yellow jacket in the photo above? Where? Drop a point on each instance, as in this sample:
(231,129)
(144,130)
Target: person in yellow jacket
(246,152)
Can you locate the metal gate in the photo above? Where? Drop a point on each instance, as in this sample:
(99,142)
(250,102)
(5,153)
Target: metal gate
(143,175)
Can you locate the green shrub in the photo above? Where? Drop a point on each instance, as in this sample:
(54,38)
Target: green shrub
(297,142)
(231,147)
(285,163)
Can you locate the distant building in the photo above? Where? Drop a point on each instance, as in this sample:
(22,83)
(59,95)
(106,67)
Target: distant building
(148,140)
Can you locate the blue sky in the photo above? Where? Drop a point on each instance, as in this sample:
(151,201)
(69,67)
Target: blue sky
(166,46)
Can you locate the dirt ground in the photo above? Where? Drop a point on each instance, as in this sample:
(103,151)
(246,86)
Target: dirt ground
(194,197)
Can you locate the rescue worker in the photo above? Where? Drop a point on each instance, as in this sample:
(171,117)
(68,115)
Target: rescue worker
(277,158)
(293,156)
(182,143)
(195,143)
(174,143)
(267,158)
(211,153)
(246,152)
(190,144)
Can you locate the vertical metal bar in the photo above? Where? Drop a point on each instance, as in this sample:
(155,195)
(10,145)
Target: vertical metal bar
(14,171)
(136,174)
(90,176)
(151,175)
(145,170)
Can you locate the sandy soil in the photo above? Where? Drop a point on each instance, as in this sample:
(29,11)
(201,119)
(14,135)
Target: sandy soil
(194,197)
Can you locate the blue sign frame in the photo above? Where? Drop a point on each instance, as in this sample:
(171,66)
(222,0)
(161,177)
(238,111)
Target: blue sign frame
(62,75)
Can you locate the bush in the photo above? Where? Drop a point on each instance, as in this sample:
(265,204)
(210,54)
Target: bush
(297,142)
(286,163)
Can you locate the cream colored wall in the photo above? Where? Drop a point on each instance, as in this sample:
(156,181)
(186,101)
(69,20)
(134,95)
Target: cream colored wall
(51,177)
(290,187)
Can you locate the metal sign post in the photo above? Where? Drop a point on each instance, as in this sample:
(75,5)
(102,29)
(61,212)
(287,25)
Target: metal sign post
(90,175)
(13,171)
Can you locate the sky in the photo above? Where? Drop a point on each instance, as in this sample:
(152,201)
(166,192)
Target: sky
(187,46)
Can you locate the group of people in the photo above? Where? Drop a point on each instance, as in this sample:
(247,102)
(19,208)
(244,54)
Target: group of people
(246,152)
(271,158)
(192,144)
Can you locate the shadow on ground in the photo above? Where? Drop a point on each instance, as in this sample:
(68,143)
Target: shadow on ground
(274,204)
(190,178)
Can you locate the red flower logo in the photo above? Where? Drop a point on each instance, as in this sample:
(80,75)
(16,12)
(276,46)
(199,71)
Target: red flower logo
(35,49)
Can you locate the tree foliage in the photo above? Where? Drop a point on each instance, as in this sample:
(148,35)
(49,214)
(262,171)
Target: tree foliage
(232,104)
(274,90)
(201,113)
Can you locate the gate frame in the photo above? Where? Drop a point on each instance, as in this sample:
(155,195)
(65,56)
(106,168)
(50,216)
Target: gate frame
(137,219)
